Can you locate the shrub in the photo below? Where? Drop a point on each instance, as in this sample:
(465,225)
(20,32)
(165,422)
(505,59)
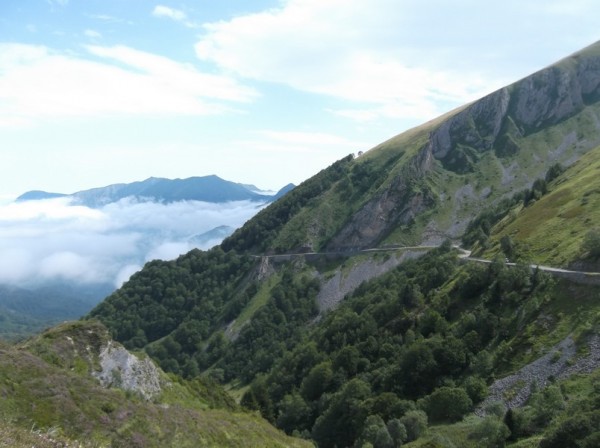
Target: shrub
(573,431)
(491,433)
(591,243)
(448,404)
(415,423)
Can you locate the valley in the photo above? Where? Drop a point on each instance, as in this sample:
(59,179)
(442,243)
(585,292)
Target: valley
(63,253)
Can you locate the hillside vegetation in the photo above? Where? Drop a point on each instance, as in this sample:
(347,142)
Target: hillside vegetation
(423,343)
(440,350)
(426,184)
(409,357)
(50,397)
(552,229)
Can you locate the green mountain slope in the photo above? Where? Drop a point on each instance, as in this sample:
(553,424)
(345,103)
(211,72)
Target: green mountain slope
(413,350)
(552,229)
(429,330)
(50,397)
(425,184)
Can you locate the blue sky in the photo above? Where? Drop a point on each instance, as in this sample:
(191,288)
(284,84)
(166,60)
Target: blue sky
(94,92)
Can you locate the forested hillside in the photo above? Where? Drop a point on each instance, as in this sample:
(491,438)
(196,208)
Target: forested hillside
(408,357)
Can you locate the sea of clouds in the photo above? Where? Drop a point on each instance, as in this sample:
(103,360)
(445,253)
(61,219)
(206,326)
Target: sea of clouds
(56,239)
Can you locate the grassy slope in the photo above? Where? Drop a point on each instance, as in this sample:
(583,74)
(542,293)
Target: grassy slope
(551,230)
(39,390)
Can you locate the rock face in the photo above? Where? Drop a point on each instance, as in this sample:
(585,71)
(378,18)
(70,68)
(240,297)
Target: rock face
(397,205)
(126,371)
(334,289)
(560,362)
(89,343)
(477,126)
(540,100)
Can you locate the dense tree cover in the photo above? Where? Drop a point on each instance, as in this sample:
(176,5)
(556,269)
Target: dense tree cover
(180,303)
(273,329)
(574,423)
(177,311)
(414,347)
(405,349)
(579,431)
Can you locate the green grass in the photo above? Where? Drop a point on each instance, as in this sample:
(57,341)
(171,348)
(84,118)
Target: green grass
(530,163)
(551,230)
(451,435)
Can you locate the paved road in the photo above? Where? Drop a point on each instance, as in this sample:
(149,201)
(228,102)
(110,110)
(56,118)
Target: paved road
(463,254)
(537,266)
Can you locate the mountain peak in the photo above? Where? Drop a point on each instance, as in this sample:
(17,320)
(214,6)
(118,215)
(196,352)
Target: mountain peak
(35,195)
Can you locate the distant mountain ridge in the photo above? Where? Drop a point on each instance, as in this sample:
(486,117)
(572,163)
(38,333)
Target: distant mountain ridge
(206,188)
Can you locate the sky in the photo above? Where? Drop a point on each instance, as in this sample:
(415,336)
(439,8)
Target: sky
(264,92)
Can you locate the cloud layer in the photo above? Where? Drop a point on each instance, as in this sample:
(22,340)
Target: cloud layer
(39,83)
(55,240)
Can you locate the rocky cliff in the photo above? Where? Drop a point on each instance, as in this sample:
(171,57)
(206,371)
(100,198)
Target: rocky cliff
(120,368)
(399,204)
(88,348)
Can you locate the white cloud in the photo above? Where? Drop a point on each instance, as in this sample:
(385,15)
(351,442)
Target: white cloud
(16,265)
(105,18)
(52,239)
(67,265)
(38,83)
(386,58)
(51,209)
(171,13)
(92,34)
(338,48)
